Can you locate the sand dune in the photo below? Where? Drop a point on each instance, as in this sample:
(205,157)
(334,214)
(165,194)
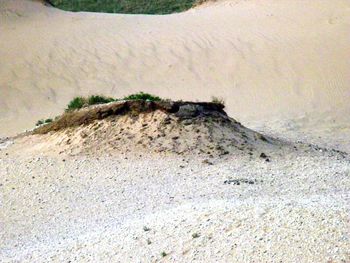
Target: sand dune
(158,187)
(266,58)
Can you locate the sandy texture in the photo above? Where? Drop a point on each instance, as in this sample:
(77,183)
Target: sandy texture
(268,59)
(265,58)
(104,197)
(241,209)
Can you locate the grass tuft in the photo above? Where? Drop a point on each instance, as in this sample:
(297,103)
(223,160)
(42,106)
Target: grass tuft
(39,122)
(76,103)
(97,99)
(80,102)
(142,96)
(42,122)
(126,6)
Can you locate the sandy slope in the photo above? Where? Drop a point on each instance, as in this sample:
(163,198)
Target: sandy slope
(106,191)
(264,57)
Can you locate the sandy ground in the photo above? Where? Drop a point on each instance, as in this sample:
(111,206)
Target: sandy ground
(96,203)
(118,209)
(283,68)
(266,58)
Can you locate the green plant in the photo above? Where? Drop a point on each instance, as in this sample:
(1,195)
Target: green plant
(164,254)
(142,96)
(79,102)
(39,122)
(126,6)
(217,100)
(97,99)
(76,103)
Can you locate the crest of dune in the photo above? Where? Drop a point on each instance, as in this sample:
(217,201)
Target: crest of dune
(265,58)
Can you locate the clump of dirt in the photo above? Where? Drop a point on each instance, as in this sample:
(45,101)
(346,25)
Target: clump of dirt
(153,127)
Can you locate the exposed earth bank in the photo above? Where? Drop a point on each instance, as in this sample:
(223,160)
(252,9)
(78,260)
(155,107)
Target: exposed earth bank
(167,127)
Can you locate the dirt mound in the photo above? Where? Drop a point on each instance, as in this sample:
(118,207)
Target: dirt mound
(152,127)
(183,110)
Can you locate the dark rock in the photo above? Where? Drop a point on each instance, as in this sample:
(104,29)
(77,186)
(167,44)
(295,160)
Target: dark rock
(188,111)
(263,155)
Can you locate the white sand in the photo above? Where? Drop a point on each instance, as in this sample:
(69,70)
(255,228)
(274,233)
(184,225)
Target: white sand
(273,59)
(94,209)
(131,205)
(265,58)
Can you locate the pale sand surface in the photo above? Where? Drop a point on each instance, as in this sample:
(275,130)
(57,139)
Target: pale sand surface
(265,58)
(283,68)
(131,206)
(111,209)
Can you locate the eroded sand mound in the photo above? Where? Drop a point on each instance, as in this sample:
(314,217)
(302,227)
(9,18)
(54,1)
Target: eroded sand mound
(154,127)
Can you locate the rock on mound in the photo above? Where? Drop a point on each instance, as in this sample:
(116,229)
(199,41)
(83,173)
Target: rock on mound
(166,126)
